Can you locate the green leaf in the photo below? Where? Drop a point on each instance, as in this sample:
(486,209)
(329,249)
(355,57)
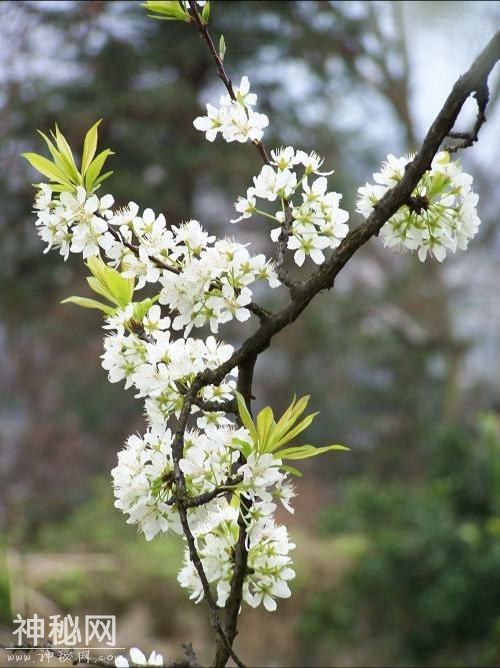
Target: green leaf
(102,178)
(244,446)
(56,188)
(120,288)
(66,155)
(95,167)
(47,168)
(246,418)
(268,436)
(222,47)
(298,429)
(89,303)
(141,308)
(206,11)
(164,9)
(307,451)
(53,150)
(101,289)
(286,422)
(292,471)
(265,421)
(90,146)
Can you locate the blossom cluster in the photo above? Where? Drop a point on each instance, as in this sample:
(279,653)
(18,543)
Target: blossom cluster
(441,214)
(268,544)
(234,118)
(73,222)
(316,222)
(201,281)
(144,479)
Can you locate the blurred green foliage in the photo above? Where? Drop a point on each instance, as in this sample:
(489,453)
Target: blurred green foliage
(96,526)
(425,590)
(5,603)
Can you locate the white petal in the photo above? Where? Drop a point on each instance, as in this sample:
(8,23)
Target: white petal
(138,657)
(121,662)
(439,253)
(299,257)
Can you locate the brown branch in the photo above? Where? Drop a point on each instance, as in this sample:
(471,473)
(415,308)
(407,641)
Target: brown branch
(180,494)
(281,250)
(135,250)
(228,406)
(205,35)
(233,603)
(206,497)
(262,313)
(393,199)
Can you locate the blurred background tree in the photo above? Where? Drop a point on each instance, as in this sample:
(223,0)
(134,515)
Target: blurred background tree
(397,356)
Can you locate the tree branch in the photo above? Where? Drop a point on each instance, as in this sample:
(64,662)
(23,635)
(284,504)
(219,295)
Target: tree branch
(159,263)
(206,497)
(245,357)
(233,603)
(180,495)
(228,406)
(393,199)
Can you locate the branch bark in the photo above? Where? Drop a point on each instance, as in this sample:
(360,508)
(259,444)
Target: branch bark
(233,604)
(180,496)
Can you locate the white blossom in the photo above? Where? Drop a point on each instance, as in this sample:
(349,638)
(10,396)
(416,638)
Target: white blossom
(441,215)
(137,658)
(235,118)
(270,184)
(245,206)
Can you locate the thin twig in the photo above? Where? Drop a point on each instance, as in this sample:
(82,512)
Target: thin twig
(205,34)
(206,497)
(228,406)
(135,250)
(282,247)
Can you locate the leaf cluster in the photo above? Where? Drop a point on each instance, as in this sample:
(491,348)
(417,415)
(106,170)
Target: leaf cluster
(62,172)
(171,10)
(272,437)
